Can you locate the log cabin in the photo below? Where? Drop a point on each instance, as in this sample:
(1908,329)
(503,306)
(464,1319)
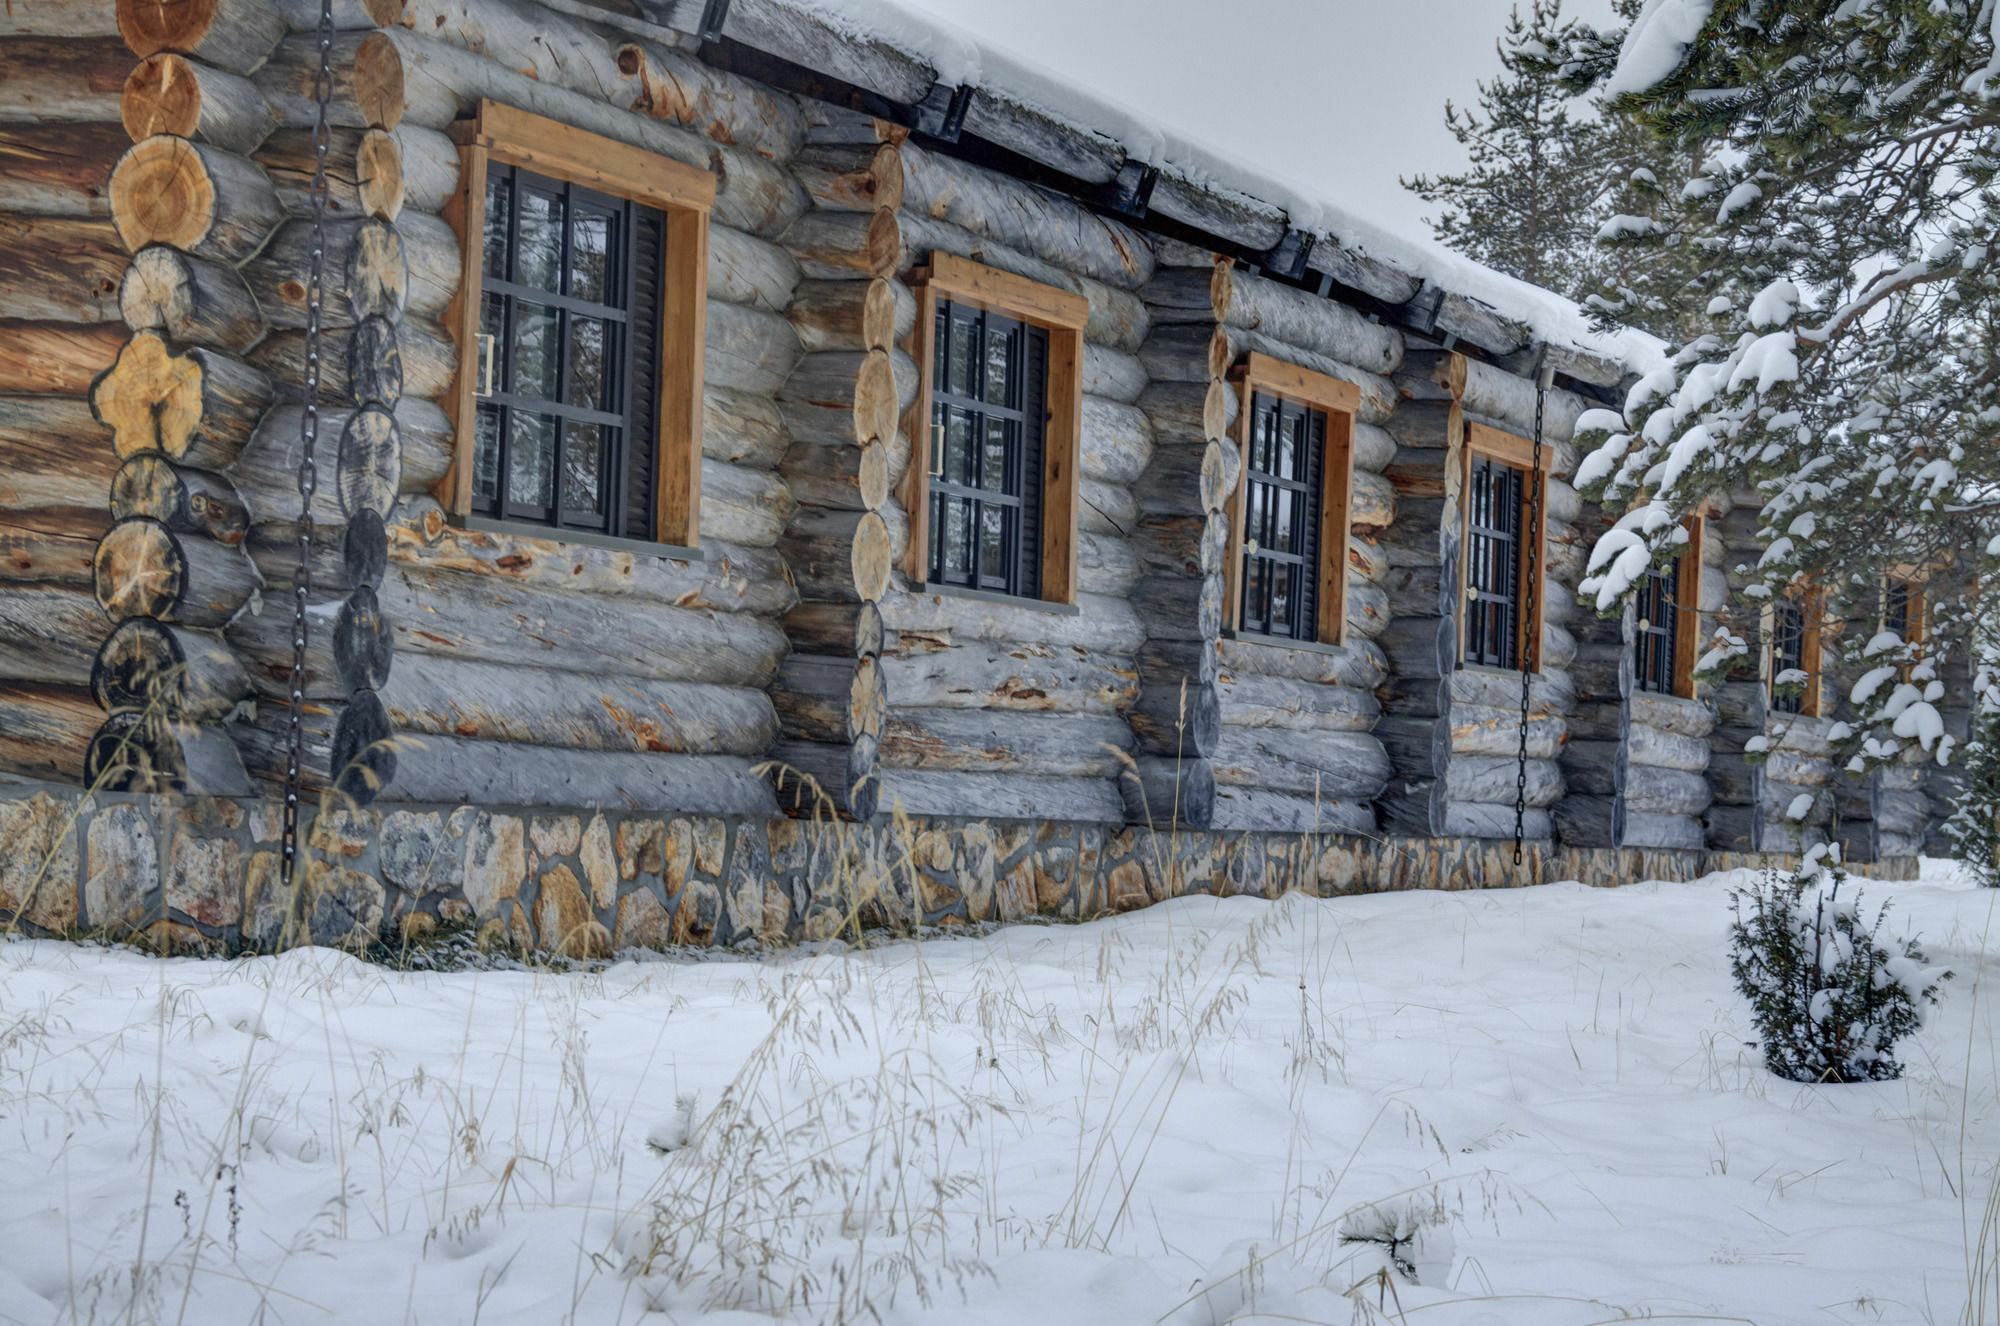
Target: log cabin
(664,444)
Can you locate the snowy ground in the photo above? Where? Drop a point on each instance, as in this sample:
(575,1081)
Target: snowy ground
(1051,1125)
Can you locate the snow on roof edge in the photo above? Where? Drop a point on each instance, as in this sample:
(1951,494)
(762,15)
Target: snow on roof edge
(961,58)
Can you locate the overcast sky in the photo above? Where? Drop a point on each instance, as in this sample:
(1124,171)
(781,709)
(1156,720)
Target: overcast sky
(1340,95)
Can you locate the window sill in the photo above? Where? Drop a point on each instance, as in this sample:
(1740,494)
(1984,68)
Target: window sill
(1275,642)
(521,529)
(1002,600)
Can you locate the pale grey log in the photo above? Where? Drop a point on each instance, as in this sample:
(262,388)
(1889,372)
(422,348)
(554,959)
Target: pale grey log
(1113,374)
(802,35)
(1299,318)
(1509,401)
(1558,648)
(730,578)
(244,208)
(1178,352)
(1563,502)
(279,271)
(1018,215)
(458,772)
(1001,796)
(742,428)
(978,741)
(1117,317)
(1548,692)
(1259,809)
(1462,819)
(1655,791)
(1300,706)
(1489,779)
(1660,749)
(430,168)
(1570,361)
(1106,508)
(1357,270)
(1340,766)
(748,349)
(1713,593)
(443,82)
(50,633)
(425,353)
(1367,607)
(266,473)
(1373,449)
(1227,215)
(1682,833)
(1105,564)
(1116,441)
(1793,768)
(1480,730)
(1472,320)
(1378,400)
(1001,118)
(60,18)
(468,616)
(188,300)
(1558,605)
(1180,411)
(437,696)
(743,269)
(1026,678)
(1180,718)
(1103,626)
(1360,663)
(743,506)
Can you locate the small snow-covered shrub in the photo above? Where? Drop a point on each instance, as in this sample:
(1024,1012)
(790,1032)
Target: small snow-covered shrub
(1830,995)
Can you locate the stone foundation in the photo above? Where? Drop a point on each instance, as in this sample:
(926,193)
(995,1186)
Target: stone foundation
(202,873)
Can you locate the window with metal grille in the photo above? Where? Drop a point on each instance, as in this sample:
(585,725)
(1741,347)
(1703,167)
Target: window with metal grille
(1281,518)
(989,386)
(1659,613)
(570,301)
(1493,563)
(1897,614)
(1788,654)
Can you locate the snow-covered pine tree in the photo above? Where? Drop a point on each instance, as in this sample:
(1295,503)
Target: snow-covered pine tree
(1526,204)
(1847,214)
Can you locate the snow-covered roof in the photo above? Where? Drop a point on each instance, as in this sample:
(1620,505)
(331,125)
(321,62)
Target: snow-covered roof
(961,59)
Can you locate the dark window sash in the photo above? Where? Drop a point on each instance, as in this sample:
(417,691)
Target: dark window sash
(960,499)
(1280,585)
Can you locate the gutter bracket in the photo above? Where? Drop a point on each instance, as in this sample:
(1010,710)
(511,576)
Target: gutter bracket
(714,17)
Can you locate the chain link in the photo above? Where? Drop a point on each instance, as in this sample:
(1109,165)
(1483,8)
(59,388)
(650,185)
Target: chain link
(1529,646)
(308,477)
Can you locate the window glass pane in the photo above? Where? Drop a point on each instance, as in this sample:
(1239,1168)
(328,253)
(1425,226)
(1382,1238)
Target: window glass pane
(493,321)
(993,459)
(499,201)
(1284,520)
(588,380)
(999,356)
(538,247)
(957,556)
(535,363)
(531,457)
(486,456)
(590,256)
(993,554)
(1253,591)
(940,380)
(958,379)
(958,449)
(583,468)
(1281,596)
(1286,463)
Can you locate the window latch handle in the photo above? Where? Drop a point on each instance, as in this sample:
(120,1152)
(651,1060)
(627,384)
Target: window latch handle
(937,449)
(485,387)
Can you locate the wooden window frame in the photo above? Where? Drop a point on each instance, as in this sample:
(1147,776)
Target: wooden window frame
(1811,604)
(1687,611)
(1062,315)
(1518,452)
(1339,401)
(500,134)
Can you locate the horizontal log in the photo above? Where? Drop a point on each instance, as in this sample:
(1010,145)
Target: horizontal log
(371,86)
(62,78)
(1181,718)
(45,730)
(57,169)
(53,454)
(1116,441)
(416,436)
(59,18)
(1681,833)
(59,269)
(748,349)
(1588,821)
(1489,780)
(727,579)
(137,751)
(55,358)
(1189,545)
(804,36)
(1548,692)
(744,269)
(743,506)
(875,314)
(49,633)
(1189,413)
(1299,318)
(1509,400)
(369,172)
(1654,791)
(1117,317)
(972,741)
(1001,796)
(182,673)
(1248,700)
(819,780)
(1461,819)
(184,499)
(416,359)
(1103,626)
(852,177)
(1024,678)
(1359,663)
(304,15)
(1180,607)
(41,557)
(847,397)
(144,569)
(1592,766)
(670,86)
(1105,565)
(819,547)
(1226,214)
(200,408)
(1115,375)
(170,94)
(1658,749)
(189,300)
(847,246)
(1106,509)
(194,197)
(1336,766)
(1259,809)
(742,429)
(234,34)
(1020,216)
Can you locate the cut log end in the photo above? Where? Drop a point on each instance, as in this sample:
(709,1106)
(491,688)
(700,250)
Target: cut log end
(161,193)
(162,96)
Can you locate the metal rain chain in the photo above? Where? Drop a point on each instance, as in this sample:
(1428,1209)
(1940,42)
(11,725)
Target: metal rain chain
(1545,375)
(308,438)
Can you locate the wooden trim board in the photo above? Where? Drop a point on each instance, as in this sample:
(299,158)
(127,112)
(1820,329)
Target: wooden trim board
(1519,452)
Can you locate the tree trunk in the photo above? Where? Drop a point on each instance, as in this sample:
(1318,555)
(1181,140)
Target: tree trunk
(1342,766)
(748,349)
(742,429)
(171,94)
(1116,441)
(1282,702)
(189,300)
(743,506)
